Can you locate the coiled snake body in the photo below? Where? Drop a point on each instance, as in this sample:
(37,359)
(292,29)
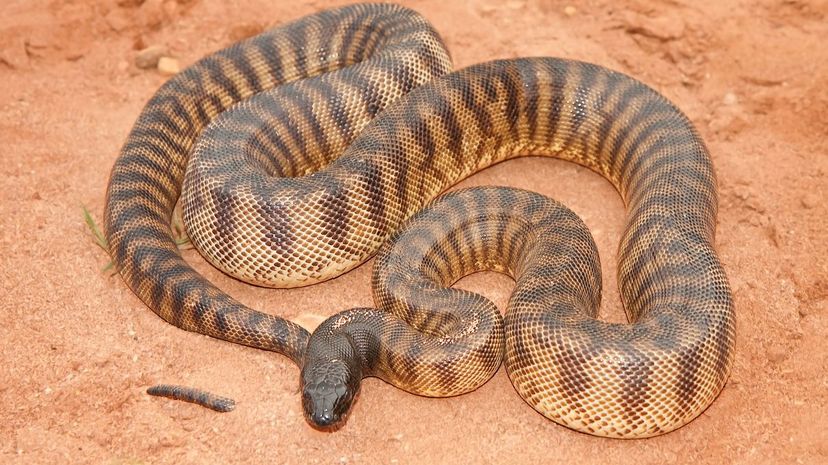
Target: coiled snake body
(303,215)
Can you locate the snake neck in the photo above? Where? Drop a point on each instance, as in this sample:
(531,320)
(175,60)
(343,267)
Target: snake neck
(345,348)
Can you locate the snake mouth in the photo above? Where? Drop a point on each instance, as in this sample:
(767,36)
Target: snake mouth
(326,423)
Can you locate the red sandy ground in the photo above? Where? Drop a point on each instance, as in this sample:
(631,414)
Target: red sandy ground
(79,348)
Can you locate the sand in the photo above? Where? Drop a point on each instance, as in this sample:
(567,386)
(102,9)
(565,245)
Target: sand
(79,348)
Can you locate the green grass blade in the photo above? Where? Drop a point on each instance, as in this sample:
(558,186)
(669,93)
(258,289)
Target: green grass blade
(110,267)
(101,241)
(99,237)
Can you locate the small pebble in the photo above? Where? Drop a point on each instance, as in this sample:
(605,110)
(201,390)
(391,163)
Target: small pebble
(570,10)
(810,200)
(168,66)
(730,99)
(148,57)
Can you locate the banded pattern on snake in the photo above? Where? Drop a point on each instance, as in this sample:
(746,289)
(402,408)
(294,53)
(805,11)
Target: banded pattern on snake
(310,216)
(196,396)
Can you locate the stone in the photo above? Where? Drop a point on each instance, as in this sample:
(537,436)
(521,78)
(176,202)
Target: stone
(168,66)
(810,200)
(149,57)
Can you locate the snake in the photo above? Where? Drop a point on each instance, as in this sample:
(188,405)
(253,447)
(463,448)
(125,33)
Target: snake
(304,151)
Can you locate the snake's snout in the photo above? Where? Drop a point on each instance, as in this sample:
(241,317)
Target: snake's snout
(328,392)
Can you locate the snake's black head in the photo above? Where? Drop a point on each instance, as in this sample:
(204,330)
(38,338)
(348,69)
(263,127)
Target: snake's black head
(328,391)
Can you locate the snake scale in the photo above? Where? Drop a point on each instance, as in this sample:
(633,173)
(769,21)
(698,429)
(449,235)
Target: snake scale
(302,159)
(196,396)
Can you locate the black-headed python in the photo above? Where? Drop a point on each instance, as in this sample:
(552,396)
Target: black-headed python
(293,186)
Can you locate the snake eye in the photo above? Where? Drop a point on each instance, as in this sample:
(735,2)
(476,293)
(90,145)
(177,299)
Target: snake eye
(328,390)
